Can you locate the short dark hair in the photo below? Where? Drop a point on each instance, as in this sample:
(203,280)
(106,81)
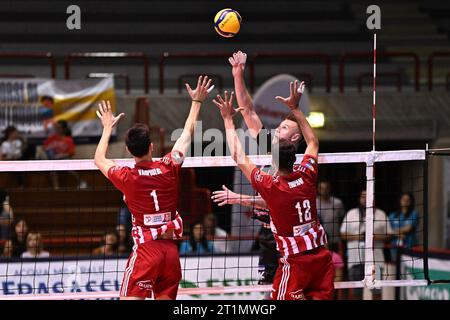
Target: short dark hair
(292,117)
(284,155)
(138,140)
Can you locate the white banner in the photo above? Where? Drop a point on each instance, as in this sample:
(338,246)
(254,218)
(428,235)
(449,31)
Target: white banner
(41,277)
(32,105)
(438,269)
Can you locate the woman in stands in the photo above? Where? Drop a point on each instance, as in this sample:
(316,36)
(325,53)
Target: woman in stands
(110,246)
(197,242)
(35,247)
(18,241)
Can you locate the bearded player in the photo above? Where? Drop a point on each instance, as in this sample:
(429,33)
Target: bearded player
(289,130)
(151,192)
(305,269)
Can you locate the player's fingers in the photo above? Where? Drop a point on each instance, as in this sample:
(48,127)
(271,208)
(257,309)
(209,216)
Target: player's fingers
(222,203)
(120,116)
(199,82)
(205,80)
(220,99)
(280,98)
(208,84)
(231,98)
(217,104)
(108,105)
(98,114)
(210,89)
(291,87)
(225,188)
(226,96)
(188,87)
(301,88)
(103,106)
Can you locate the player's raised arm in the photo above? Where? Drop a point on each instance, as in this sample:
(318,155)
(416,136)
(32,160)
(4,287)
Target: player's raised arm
(237,152)
(198,96)
(226,196)
(292,102)
(244,100)
(108,121)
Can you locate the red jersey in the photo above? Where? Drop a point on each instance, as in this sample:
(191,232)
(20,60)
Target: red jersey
(291,200)
(151,193)
(60,144)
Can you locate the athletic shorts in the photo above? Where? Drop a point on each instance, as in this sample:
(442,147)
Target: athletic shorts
(153,269)
(304,276)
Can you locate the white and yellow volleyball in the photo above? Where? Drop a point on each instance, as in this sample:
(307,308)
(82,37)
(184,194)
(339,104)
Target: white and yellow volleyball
(227,22)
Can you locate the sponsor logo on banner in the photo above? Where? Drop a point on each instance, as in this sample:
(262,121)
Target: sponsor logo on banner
(33,105)
(95,275)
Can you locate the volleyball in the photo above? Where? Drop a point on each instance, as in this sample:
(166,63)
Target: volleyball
(227,22)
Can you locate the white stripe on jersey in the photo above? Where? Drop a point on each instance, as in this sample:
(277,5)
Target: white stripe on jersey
(285,246)
(284,280)
(314,234)
(293,245)
(307,242)
(280,288)
(128,273)
(141,235)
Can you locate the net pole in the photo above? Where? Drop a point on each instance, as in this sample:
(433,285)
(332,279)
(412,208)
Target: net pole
(369,266)
(374,105)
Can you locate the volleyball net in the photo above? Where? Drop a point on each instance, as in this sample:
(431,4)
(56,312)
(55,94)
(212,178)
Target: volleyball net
(66,230)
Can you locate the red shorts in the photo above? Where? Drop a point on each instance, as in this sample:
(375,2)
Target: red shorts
(304,276)
(153,267)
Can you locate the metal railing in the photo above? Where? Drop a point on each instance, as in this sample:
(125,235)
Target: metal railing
(109,55)
(355,55)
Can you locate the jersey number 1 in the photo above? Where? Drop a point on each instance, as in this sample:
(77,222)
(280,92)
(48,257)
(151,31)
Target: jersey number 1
(307,206)
(155,199)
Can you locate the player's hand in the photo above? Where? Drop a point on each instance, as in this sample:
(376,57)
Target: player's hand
(106,116)
(225,196)
(225,105)
(296,94)
(238,61)
(203,88)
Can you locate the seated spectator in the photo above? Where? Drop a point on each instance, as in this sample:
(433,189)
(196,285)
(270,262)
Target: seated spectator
(17,243)
(330,211)
(197,242)
(13,145)
(110,246)
(124,217)
(57,146)
(404,222)
(35,247)
(353,230)
(6,215)
(125,242)
(216,234)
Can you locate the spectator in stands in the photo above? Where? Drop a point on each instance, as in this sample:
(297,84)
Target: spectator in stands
(17,243)
(124,217)
(13,145)
(6,215)
(109,247)
(125,242)
(216,234)
(47,112)
(197,242)
(404,222)
(353,231)
(59,145)
(331,212)
(35,247)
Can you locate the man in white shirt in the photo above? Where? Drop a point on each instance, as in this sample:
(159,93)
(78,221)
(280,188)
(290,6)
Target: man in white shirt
(353,230)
